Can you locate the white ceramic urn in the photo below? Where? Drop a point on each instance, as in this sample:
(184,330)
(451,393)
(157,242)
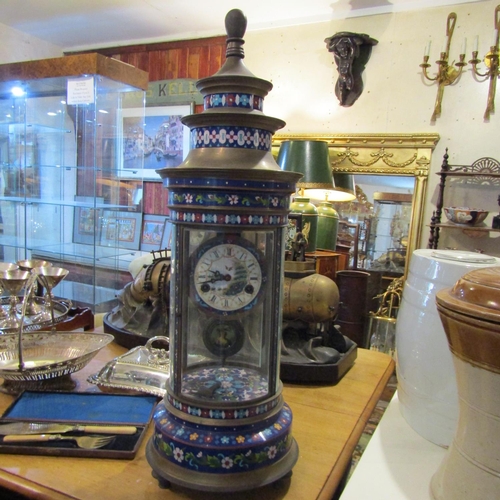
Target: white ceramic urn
(470,313)
(427,389)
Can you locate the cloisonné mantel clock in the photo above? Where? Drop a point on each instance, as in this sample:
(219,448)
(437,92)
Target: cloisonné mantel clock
(223,424)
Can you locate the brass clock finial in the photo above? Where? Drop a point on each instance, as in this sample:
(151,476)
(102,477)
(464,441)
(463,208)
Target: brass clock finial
(236,25)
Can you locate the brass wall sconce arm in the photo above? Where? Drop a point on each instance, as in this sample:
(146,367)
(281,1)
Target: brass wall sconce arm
(491,62)
(447,74)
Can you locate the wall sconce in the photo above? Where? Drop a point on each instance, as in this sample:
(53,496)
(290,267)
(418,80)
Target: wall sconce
(447,74)
(351,52)
(491,62)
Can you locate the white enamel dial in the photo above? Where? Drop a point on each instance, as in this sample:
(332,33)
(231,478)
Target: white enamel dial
(227,277)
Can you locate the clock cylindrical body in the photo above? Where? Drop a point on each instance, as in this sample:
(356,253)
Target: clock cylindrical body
(226,300)
(223,424)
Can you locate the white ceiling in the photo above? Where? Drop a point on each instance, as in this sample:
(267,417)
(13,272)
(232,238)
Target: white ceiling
(88,24)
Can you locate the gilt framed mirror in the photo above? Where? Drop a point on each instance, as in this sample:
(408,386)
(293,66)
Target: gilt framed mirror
(390,173)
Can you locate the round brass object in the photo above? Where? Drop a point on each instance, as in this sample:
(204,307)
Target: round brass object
(312,299)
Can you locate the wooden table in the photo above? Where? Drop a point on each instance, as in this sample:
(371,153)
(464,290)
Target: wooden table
(327,424)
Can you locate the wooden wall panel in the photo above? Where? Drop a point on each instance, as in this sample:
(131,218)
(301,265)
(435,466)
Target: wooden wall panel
(196,59)
(193,66)
(216,58)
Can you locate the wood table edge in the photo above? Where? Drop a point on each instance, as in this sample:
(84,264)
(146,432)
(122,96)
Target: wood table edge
(340,467)
(28,488)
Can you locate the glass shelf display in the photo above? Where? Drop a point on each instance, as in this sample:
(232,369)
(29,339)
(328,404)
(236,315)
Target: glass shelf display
(64,192)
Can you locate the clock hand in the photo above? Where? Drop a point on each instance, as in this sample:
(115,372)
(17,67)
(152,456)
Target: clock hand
(218,276)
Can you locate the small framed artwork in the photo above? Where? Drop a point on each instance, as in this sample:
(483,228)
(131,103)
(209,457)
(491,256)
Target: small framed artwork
(158,141)
(152,232)
(166,241)
(86,223)
(120,229)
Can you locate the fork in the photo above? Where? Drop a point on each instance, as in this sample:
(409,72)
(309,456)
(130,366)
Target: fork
(88,442)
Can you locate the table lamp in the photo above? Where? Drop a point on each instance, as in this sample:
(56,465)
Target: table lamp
(312,160)
(328,227)
(309,220)
(345,189)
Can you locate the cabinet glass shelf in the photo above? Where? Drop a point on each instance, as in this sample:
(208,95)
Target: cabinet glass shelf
(469,230)
(65,203)
(30,128)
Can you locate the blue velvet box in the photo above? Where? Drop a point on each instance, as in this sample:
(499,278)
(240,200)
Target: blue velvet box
(85,409)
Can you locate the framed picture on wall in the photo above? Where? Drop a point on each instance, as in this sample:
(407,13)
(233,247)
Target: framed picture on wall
(158,141)
(152,232)
(166,241)
(120,229)
(87,220)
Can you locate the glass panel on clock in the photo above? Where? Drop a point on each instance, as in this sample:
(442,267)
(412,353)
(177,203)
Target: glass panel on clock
(229,313)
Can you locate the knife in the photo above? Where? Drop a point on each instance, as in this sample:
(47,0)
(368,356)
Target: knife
(42,428)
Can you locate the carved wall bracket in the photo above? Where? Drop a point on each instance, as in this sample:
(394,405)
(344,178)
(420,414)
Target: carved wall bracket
(351,52)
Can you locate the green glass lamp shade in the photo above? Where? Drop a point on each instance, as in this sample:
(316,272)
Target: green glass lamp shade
(302,205)
(328,227)
(312,160)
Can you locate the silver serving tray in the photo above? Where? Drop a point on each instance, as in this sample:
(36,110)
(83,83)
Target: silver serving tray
(61,310)
(48,355)
(142,369)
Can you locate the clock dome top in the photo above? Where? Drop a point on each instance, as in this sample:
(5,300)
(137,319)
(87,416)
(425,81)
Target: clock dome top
(232,133)
(234,93)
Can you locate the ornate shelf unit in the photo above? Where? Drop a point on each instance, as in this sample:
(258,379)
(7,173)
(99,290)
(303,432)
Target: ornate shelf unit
(64,194)
(485,171)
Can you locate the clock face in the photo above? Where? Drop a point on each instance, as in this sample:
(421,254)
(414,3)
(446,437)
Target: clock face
(227,275)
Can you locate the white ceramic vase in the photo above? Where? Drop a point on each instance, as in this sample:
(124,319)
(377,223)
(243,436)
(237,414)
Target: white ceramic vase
(427,388)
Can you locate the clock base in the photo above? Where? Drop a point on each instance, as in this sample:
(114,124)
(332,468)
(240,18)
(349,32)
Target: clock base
(223,456)
(166,473)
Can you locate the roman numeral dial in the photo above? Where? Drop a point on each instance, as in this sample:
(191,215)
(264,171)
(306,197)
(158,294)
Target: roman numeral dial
(227,276)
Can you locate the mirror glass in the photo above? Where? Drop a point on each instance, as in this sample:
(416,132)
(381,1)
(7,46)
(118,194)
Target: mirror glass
(374,228)
(383,226)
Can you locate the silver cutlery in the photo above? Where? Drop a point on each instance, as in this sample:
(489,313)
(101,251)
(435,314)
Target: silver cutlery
(87,442)
(49,428)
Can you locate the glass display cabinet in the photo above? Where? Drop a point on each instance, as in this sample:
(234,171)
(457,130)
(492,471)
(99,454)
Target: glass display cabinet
(65,150)
(387,245)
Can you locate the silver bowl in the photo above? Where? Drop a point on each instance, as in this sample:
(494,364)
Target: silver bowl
(48,355)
